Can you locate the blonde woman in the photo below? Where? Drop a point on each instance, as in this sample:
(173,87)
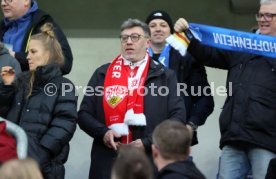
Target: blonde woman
(38,102)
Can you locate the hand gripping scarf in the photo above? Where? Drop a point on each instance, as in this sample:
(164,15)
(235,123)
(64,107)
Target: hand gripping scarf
(123,100)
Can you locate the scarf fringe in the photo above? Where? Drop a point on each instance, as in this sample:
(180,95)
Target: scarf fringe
(135,119)
(177,44)
(119,128)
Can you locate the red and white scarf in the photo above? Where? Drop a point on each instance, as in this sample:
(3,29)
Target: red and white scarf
(123,96)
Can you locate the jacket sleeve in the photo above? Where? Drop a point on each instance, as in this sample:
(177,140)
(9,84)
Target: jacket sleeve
(210,56)
(87,115)
(176,107)
(203,102)
(63,124)
(147,142)
(7,93)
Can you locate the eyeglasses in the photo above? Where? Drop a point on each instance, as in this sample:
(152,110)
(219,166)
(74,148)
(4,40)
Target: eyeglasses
(7,1)
(267,16)
(133,37)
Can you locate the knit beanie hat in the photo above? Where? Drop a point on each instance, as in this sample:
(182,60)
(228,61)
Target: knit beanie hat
(159,14)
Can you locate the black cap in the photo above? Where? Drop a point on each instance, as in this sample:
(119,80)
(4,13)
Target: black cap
(159,14)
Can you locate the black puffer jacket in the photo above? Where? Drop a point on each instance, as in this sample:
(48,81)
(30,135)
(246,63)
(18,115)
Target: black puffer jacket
(249,112)
(48,119)
(156,109)
(39,18)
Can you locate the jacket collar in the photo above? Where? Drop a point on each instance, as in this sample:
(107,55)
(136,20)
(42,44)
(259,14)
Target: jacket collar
(185,168)
(46,73)
(155,69)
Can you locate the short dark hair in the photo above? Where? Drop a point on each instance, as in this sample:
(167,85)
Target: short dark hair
(130,23)
(172,139)
(132,163)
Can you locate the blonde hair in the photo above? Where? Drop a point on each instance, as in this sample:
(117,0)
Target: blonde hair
(51,44)
(20,169)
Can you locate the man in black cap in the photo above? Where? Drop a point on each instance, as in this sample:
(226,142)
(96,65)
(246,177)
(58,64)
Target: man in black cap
(191,76)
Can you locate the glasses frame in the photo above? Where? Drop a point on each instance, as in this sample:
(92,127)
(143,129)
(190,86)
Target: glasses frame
(267,16)
(133,37)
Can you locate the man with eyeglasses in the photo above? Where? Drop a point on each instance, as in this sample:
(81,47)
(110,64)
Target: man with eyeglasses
(131,96)
(248,117)
(22,18)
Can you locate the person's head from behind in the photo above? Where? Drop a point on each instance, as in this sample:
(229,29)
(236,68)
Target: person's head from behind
(171,142)
(131,163)
(20,169)
(134,39)
(161,26)
(266,17)
(44,48)
(14,9)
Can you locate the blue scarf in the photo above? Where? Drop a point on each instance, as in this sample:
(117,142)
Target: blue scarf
(164,56)
(17,29)
(235,40)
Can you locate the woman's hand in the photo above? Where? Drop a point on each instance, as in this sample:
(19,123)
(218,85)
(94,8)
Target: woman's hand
(8,75)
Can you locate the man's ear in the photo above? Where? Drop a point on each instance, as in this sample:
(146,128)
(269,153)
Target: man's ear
(148,43)
(155,151)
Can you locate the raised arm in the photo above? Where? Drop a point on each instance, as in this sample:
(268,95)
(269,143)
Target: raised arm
(203,54)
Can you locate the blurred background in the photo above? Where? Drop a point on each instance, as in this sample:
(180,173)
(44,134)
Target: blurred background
(92,18)
(92,28)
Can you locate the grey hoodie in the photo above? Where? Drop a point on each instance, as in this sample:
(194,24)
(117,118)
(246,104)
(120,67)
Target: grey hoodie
(7,60)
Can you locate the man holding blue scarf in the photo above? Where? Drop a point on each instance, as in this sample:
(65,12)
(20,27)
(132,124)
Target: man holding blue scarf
(189,73)
(22,20)
(247,120)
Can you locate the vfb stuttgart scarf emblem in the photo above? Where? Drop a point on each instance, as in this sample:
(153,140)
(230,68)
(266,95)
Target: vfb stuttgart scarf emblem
(115,94)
